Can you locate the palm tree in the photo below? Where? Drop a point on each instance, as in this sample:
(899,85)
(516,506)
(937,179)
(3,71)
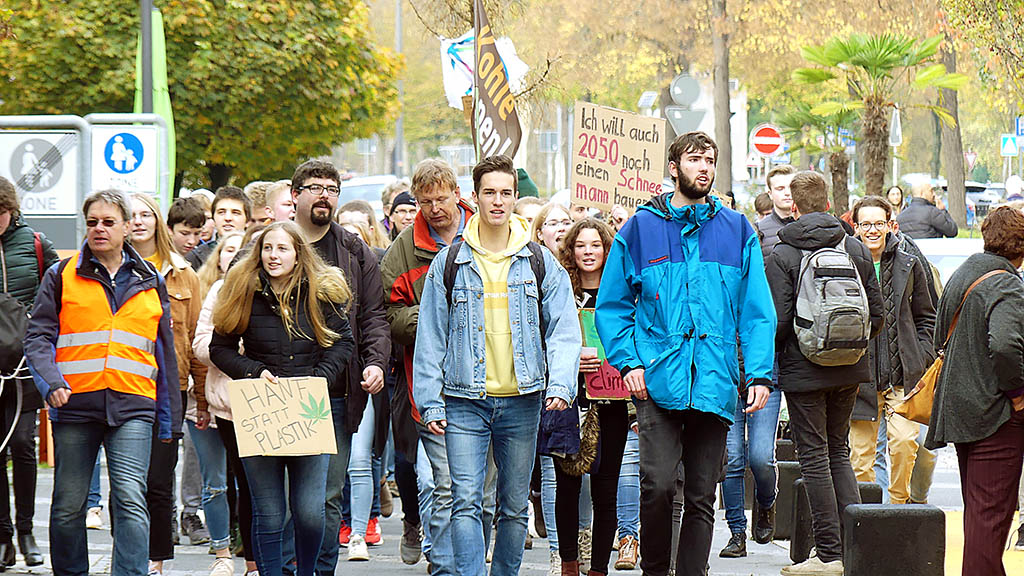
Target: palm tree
(875,68)
(818,135)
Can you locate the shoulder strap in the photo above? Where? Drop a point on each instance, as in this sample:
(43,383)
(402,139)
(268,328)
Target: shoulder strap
(956,315)
(39,253)
(539,271)
(449,270)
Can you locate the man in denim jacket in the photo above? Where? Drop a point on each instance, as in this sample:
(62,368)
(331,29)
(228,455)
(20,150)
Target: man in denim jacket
(483,369)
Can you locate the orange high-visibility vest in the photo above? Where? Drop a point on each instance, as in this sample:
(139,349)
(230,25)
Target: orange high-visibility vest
(98,349)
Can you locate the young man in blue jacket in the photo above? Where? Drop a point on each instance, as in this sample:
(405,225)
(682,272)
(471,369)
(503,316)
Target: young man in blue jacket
(684,277)
(494,347)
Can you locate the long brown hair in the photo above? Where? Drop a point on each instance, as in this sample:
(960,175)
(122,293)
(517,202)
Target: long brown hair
(567,253)
(210,271)
(162,235)
(321,283)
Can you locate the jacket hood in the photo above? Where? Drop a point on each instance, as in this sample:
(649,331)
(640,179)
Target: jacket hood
(695,215)
(813,231)
(518,238)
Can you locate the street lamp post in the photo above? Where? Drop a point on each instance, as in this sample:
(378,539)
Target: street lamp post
(146,13)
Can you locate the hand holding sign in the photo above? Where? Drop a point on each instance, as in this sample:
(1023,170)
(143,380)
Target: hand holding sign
(282,417)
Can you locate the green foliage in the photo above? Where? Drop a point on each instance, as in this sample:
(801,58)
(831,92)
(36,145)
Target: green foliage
(315,410)
(255,85)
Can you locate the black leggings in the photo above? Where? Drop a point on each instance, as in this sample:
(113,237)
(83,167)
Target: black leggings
(23,455)
(408,489)
(226,428)
(604,486)
(160,496)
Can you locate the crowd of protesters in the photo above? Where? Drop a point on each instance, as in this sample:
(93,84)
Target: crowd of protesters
(460,337)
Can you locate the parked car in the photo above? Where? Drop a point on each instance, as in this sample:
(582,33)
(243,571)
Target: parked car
(947,254)
(367,188)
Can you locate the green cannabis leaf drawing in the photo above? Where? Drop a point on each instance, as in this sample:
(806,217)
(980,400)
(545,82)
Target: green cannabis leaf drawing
(315,411)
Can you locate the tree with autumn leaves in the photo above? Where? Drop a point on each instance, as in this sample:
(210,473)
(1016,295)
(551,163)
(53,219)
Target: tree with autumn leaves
(255,85)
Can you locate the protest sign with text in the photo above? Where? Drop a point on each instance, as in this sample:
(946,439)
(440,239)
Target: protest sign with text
(606,383)
(617,157)
(291,417)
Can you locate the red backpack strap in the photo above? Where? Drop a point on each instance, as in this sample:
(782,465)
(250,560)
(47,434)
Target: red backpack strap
(39,253)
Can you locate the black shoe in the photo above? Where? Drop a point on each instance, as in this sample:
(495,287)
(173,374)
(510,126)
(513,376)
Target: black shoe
(736,548)
(538,515)
(8,557)
(764,526)
(1020,538)
(27,544)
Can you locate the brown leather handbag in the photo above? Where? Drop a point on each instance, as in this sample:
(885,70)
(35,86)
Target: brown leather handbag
(917,405)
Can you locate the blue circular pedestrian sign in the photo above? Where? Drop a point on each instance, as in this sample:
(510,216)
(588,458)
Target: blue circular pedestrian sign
(123,153)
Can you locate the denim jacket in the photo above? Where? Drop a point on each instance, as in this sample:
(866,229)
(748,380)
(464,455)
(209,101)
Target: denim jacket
(449,358)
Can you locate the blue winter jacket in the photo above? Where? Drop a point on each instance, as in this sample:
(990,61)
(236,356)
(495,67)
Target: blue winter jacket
(678,286)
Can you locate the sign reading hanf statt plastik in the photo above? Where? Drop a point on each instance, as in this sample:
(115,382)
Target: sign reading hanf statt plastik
(617,157)
(291,417)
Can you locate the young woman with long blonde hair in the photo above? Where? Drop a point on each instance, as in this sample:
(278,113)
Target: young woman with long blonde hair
(287,308)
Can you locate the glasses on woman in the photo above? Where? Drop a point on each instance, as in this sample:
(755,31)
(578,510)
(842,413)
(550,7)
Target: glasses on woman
(556,223)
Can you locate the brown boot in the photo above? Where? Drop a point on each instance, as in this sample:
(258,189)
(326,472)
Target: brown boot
(596,573)
(571,568)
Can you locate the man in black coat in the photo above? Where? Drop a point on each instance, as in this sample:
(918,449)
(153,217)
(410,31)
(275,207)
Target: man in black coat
(315,190)
(899,355)
(926,216)
(820,398)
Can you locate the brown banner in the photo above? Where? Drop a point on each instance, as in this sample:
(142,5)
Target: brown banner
(496,127)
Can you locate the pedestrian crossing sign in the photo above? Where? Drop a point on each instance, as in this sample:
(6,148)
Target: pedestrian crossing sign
(1008,145)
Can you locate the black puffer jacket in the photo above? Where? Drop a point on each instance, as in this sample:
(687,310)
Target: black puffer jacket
(903,349)
(811,232)
(19,267)
(268,346)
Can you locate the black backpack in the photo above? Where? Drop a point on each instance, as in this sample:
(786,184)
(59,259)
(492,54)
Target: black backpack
(14,320)
(536,264)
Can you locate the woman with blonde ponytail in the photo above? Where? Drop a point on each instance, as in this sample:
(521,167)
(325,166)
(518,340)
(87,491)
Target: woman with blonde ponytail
(288,310)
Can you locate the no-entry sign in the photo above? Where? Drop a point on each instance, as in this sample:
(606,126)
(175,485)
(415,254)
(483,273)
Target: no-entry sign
(767,139)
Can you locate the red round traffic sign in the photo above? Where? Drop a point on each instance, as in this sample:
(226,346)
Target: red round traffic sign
(767,139)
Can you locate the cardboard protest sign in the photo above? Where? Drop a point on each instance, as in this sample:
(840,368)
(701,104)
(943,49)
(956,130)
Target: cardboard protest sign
(617,157)
(606,383)
(289,418)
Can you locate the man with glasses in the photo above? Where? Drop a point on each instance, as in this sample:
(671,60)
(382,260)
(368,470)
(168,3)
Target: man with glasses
(315,190)
(900,353)
(101,351)
(926,216)
(440,222)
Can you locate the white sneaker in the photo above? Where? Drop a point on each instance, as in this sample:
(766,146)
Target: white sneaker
(814,567)
(357,548)
(93,520)
(222,567)
(556,564)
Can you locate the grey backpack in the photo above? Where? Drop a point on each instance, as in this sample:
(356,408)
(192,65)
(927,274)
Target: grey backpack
(832,320)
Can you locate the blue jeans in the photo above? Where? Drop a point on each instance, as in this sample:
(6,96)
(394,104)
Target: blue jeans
(437,506)
(95,500)
(360,472)
(327,559)
(628,498)
(75,448)
(307,492)
(881,459)
(509,426)
(751,440)
(213,465)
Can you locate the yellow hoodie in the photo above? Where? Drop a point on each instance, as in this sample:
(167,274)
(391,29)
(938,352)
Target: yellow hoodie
(494,266)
